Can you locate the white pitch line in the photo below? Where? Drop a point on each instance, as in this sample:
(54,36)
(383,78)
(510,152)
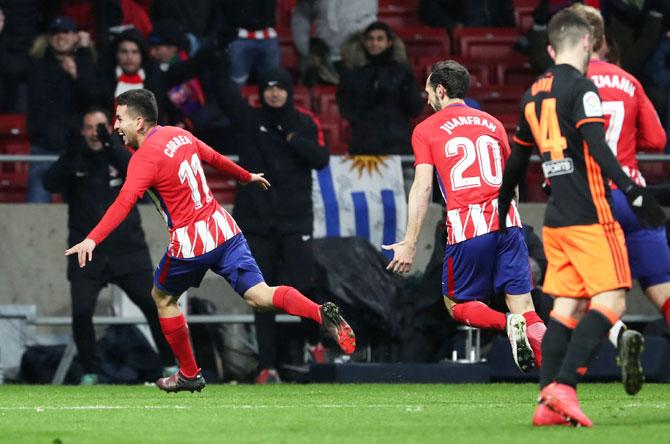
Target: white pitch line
(408,408)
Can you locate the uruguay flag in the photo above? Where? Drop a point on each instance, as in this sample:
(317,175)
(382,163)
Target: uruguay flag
(360,196)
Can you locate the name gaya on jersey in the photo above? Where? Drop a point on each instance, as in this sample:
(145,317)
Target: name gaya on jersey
(467,154)
(213,225)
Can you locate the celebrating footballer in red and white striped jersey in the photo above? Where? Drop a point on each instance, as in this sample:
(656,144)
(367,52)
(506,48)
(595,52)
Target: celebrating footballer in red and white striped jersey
(170,160)
(632,123)
(468,149)
(203,236)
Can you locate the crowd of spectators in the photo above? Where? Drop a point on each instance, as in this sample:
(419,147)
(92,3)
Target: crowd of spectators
(59,58)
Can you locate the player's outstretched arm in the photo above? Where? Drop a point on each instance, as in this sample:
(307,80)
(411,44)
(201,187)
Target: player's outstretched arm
(647,210)
(259,179)
(419,199)
(83,250)
(515,168)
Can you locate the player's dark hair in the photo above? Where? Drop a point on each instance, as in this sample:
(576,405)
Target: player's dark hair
(142,102)
(453,76)
(95,110)
(566,28)
(595,19)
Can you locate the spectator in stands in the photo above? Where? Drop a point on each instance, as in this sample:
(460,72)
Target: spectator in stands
(256,48)
(378,92)
(135,69)
(286,143)
(89,175)
(537,36)
(469,13)
(657,71)
(62,82)
(199,20)
(24,21)
(334,21)
(635,29)
(167,48)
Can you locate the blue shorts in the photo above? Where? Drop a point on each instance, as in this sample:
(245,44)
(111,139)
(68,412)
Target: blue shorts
(648,253)
(478,268)
(232,260)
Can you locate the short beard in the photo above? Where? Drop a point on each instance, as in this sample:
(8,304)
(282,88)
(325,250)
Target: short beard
(436,106)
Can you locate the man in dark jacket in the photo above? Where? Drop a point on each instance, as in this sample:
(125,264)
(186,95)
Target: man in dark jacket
(61,84)
(89,175)
(287,144)
(256,48)
(378,93)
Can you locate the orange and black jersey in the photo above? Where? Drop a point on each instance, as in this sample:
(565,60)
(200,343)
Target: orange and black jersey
(562,115)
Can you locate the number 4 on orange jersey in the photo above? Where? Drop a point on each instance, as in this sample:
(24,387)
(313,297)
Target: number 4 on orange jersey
(546,131)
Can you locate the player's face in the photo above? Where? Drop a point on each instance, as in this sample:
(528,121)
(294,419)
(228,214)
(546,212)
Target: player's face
(275,96)
(90,129)
(127,125)
(129,57)
(433,100)
(63,42)
(376,42)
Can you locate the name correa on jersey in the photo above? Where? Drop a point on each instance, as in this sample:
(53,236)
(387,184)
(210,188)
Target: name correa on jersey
(468,149)
(169,164)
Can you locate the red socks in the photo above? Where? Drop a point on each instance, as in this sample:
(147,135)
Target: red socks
(293,302)
(535,330)
(175,331)
(477,314)
(666,311)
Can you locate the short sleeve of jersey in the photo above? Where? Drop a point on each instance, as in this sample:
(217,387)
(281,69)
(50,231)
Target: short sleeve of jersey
(523,135)
(587,106)
(421,147)
(141,175)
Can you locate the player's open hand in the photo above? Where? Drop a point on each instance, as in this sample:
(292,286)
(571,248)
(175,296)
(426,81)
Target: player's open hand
(259,179)
(403,257)
(83,250)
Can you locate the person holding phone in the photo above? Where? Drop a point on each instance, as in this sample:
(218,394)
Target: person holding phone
(89,175)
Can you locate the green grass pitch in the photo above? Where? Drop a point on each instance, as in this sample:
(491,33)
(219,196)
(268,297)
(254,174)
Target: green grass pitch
(365,413)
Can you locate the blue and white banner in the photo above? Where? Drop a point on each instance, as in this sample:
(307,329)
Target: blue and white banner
(360,196)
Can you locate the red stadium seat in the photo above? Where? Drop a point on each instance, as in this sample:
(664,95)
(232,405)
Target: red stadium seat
(250,92)
(495,43)
(301,97)
(509,121)
(289,56)
(14,175)
(499,99)
(12,125)
(526,3)
(325,97)
(331,130)
(398,16)
(283,14)
(223,188)
(515,71)
(524,18)
(424,41)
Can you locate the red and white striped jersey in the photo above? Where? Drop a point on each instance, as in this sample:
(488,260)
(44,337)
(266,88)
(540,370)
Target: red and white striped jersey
(468,149)
(631,121)
(168,164)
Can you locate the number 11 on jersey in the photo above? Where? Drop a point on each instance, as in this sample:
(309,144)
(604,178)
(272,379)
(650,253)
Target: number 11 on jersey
(187,173)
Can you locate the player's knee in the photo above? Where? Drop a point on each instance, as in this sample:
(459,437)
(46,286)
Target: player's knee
(161,299)
(450,305)
(259,297)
